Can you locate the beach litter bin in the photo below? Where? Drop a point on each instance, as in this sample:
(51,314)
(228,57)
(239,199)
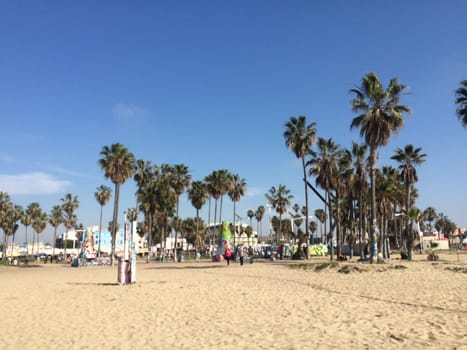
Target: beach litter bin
(123,271)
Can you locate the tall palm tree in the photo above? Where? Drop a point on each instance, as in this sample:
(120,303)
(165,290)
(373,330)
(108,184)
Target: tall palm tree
(380,114)
(197,194)
(281,197)
(32,210)
(181,179)
(55,220)
(359,156)
(224,185)
(145,173)
(251,214)
(102,195)
(69,204)
(461,102)
(5,204)
(408,158)
(118,165)
(259,214)
(10,225)
(26,221)
(10,216)
(324,165)
(430,215)
(39,224)
(237,190)
(217,183)
(299,137)
(320,214)
(18,213)
(132,216)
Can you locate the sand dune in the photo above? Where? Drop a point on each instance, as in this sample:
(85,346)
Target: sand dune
(265,305)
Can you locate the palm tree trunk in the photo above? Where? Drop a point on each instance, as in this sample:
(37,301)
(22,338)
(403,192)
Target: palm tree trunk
(328,200)
(214,230)
(407,223)
(306,209)
(64,241)
(55,240)
(27,246)
(33,242)
(150,238)
(360,223)
(374,248)
(176,231)
(100,231)
(114,223)
(234,217)
(197,232)
(338,227)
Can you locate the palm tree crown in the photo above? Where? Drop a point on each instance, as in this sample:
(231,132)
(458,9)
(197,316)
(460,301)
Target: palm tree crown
(118,165)
(379,115)
(461,102)
(299,138)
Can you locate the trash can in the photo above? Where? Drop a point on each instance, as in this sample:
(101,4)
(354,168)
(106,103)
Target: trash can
(123,271)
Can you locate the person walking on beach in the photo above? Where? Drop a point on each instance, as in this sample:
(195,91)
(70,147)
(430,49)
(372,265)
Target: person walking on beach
(228,255)
(240,254)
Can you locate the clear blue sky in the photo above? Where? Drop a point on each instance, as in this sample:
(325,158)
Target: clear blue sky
(210,84)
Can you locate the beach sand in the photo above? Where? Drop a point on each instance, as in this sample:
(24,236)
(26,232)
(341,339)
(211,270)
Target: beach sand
(264,305)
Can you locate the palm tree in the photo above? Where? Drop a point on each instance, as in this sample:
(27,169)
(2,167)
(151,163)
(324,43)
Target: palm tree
(299,137)
(217,183)
(32,210)
(313,228)
(39,224)
(102,195)
(408,158)
(132,216)
(118,165)
(281,197)
(4,206)
(69,204)
(251,214)
(379,116)
(320,214)
(26,221)
(430,215)
(144,175)
(259,214)
(55,220)
(359,155)
(181,179)
(18,213)
(324,165)
(461,102)
(237,190)
(197,194)
(9,223)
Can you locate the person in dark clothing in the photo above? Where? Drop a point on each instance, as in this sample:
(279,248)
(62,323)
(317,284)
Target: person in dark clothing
(228,255)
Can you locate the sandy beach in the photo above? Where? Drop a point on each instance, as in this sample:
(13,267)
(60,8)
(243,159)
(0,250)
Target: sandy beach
(265,305)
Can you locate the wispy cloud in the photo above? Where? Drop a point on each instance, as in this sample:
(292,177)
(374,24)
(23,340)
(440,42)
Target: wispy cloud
(255,191)
(129,114)
(32,184)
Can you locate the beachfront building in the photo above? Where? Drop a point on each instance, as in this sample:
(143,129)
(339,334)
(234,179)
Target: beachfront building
(88,240)
(243,234)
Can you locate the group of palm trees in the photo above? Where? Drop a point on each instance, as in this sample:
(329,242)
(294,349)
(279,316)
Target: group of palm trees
(158,195)
(352,205)
(34,216)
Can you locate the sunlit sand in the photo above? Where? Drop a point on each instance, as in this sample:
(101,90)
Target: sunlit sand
(264,305)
